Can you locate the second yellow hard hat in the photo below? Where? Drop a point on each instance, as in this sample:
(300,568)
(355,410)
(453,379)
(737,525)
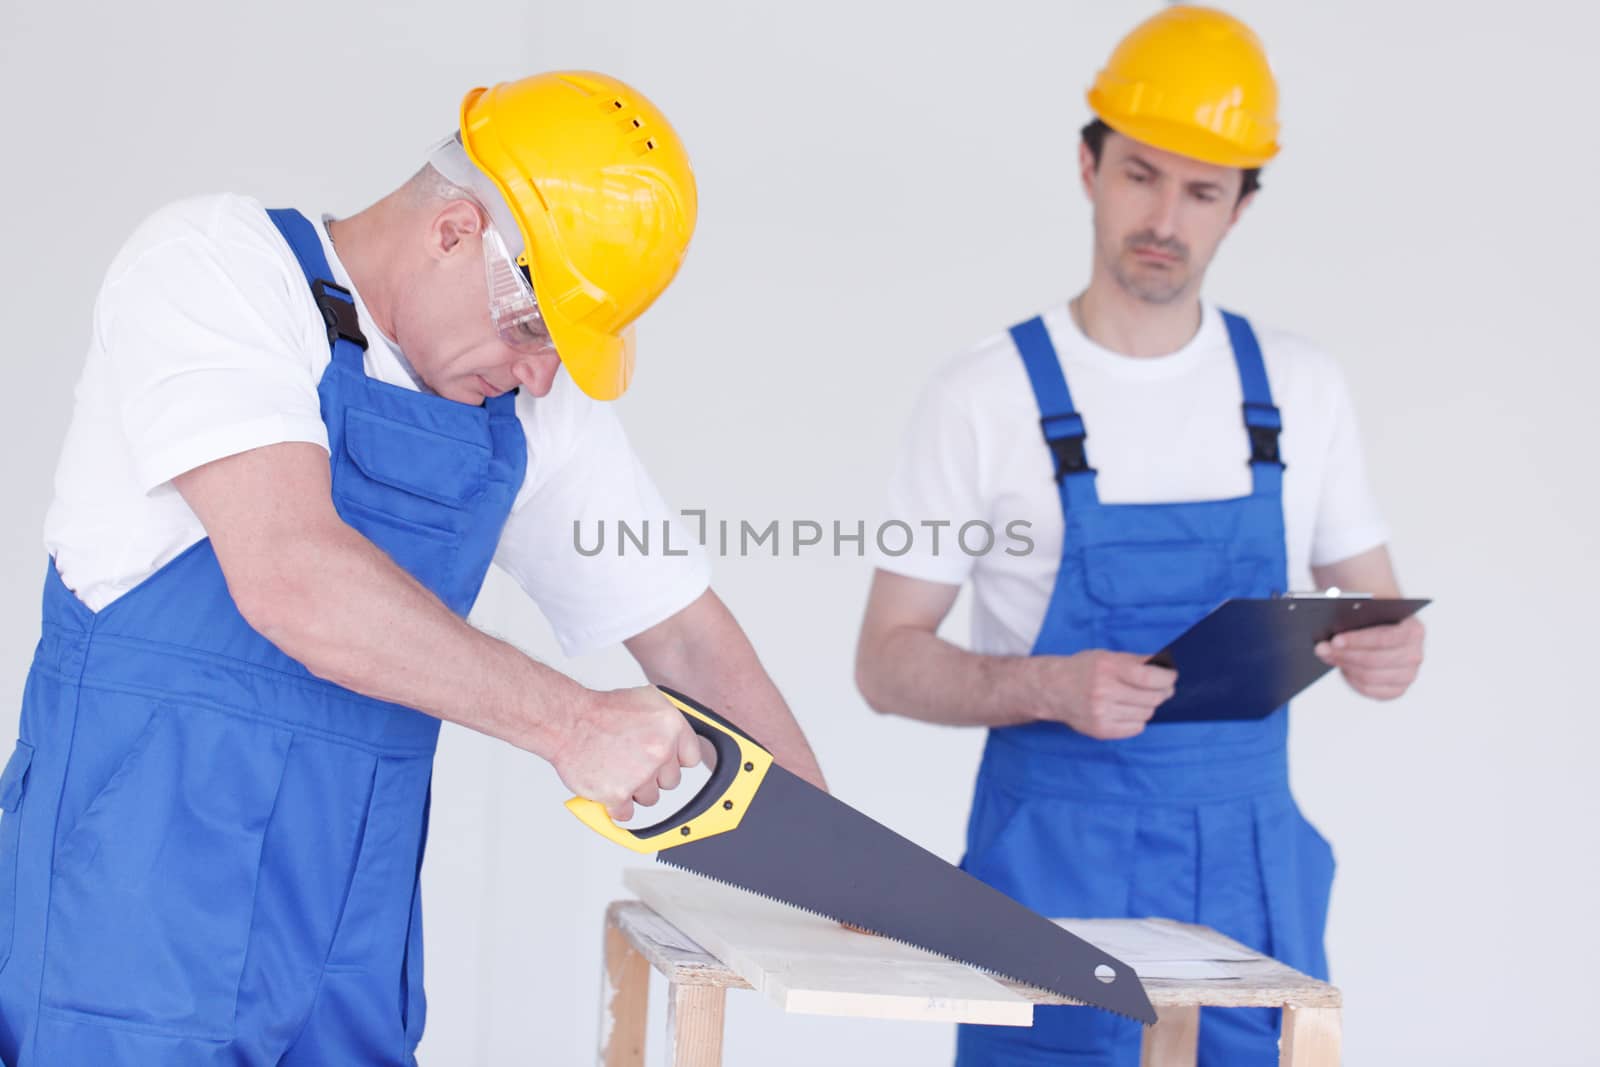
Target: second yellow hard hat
(1195,81)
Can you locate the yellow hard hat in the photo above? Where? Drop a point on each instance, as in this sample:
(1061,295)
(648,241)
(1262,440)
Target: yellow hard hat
(1195,81)
(601,188)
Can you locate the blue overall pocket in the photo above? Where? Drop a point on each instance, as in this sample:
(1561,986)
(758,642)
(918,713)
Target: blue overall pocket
(153,888)
(407,477)
(1147,593)
(1298,868)
(13,784)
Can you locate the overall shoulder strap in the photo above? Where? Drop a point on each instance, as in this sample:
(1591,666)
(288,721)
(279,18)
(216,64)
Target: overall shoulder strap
(1063,428)
(336,303)
(1262,420)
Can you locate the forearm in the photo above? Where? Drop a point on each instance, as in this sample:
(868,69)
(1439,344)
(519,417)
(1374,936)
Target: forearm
(704,653)
(1379,662)
(732,682)
(340,606)
(910,671)
(1370,572)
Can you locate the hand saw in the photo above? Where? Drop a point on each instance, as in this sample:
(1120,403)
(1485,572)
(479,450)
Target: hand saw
(756,826)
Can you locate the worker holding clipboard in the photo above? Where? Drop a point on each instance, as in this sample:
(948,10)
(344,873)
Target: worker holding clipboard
(1193,462)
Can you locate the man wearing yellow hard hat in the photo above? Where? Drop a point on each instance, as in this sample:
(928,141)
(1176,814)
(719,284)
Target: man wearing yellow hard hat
(1191,459)
(298,445)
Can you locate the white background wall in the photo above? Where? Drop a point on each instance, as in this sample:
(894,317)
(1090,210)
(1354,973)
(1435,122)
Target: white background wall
(881,184)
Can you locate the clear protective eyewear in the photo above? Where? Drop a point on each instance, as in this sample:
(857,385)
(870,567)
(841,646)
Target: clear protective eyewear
(512,304)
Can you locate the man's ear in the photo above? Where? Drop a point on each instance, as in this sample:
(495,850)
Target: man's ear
(1086,169)
(1238,209)
(452,223)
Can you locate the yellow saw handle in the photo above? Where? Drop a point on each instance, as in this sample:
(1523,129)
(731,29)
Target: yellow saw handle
(716,808)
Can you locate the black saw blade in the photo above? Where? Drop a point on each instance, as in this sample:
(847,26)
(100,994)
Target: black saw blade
(803,847)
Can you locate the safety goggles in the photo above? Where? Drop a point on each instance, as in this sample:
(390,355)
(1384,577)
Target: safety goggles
(512,304)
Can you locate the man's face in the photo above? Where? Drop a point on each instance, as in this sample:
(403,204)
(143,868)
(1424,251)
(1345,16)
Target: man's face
(444,327)
(1158,217)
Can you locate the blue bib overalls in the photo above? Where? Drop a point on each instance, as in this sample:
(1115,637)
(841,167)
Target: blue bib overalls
(208,855)
(1186,821)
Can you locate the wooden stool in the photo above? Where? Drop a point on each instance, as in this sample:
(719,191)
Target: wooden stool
(637,940)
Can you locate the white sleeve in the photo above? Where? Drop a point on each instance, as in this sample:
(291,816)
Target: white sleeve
(589,480)
(204,344)
(1348,520)
(934,490)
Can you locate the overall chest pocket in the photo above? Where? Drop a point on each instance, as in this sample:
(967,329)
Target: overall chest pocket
(1157,576)
(1146,593)
(397,477)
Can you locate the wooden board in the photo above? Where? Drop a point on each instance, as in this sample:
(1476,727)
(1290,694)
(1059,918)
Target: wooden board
(1310,1019)
(808,964)
(1253,981)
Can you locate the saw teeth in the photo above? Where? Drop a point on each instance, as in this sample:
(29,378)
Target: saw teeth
(661,857)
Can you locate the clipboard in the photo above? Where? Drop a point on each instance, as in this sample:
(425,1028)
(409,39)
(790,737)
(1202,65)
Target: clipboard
(1249,657)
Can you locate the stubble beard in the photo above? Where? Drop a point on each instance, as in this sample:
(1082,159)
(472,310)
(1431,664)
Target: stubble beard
(1152,285)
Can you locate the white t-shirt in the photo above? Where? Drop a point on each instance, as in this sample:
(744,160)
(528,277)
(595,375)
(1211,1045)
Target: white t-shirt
(1164,429)
(207,343)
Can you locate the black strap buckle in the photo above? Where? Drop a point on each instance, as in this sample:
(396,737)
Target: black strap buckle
(338,307)
(1263,423)
(1264,445)
(1065,434)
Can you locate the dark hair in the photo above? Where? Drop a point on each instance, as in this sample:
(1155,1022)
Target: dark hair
(1094,136)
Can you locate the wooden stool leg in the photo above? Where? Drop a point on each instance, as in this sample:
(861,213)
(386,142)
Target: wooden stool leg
(624,1001)
(1311,1037)
(1174,1040)
(694,1025)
